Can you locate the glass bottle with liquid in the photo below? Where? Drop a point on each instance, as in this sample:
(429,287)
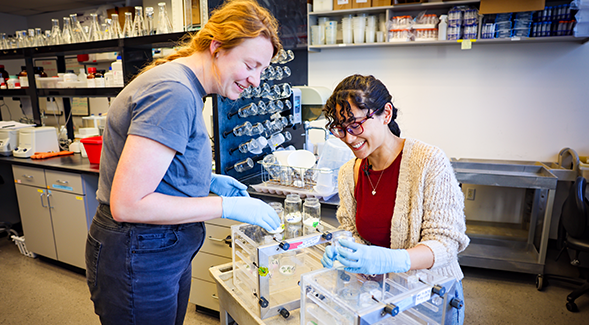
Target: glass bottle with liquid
(23,78)
(91,77)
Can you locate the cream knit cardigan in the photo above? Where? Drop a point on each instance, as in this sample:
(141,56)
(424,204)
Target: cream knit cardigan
(429,208)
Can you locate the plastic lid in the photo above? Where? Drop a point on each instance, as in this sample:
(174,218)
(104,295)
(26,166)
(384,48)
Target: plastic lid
(119,57)
(1,66)
(92,69)
(109,68)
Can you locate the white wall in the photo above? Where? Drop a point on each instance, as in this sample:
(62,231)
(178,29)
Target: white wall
(496,101)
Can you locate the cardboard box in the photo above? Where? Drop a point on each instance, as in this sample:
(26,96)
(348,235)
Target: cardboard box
(407,2)
(195,12)
(342,4)
(381,3)
(121,11)
(361,3)
(505,6)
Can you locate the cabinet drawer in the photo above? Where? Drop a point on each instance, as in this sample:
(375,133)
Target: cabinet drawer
(203,261)
(29,175)
(204,294)
(214,241)
(66,182)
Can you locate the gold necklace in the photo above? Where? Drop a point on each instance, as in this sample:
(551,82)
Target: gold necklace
(371,185)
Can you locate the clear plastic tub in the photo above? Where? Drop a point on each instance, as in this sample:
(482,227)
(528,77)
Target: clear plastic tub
(521,32)
(426,34)
(400,35)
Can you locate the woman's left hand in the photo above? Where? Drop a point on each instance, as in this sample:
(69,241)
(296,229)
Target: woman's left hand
(359,258)
(223,185)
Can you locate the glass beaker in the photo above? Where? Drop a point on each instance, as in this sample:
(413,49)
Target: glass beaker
(163,23)
(311,214)
(343,235)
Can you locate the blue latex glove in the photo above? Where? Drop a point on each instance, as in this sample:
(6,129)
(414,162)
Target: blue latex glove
(223,185)
(250,210)
(372,259)
(329,256)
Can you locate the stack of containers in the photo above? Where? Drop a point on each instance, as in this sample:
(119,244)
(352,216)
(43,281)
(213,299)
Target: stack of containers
(553,21)
(454,24)
(503,25)
(470,23)
(359,24)
(371,28)
(347,29)
(582,27)
(522,24)
(425,27)
(400,29)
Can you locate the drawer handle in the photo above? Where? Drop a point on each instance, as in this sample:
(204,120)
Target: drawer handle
(214,295)
(226,240)
(62,182)
(27,176)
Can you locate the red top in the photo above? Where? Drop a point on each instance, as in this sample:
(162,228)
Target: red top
(374,212)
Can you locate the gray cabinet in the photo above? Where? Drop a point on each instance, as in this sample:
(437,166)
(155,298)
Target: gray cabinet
(56,210)
(216,250)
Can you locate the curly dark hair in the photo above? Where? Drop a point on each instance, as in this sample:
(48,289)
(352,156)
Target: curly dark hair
(365,92)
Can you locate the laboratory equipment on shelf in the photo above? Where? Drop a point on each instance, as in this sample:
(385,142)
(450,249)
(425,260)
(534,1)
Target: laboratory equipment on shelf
(267,268)
(334,296)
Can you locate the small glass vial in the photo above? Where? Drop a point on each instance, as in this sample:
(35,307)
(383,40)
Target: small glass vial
(311,214)
(248,110)
(243,166)
(239,130)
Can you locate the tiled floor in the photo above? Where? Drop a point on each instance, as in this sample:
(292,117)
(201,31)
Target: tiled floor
(38,291)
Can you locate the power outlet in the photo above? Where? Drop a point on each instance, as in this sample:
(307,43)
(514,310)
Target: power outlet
(470,193)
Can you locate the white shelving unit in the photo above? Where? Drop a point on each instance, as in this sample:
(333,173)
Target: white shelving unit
(440,7)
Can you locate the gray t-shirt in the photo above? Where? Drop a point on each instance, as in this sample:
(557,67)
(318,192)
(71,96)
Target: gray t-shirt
(163,104)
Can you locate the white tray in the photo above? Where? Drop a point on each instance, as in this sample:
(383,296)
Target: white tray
(284,190)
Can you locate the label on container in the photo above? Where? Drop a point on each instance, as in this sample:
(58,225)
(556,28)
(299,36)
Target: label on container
(423,296)
(62,187)
(342,2)
(24,82)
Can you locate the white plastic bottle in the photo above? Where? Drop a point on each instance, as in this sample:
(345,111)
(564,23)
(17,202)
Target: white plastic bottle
(109,78)
(117,71)
(83,77)
(442,28)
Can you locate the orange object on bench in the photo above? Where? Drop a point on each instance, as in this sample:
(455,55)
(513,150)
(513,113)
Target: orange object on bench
(44,155)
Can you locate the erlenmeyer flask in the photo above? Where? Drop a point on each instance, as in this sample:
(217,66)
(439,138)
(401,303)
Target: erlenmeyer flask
(78,34)
(94,34)
(105,29)
(31,37)
(55,33)
(3,42)
(163,22)
(128,29)
(138,23)
(39,40)
(149,21)
(66,34)
(115,27)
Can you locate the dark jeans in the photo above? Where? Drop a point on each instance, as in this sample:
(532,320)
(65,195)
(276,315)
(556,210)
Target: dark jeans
(140,273)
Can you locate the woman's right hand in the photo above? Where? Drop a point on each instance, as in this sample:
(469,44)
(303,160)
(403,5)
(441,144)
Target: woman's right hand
(250,210)
(329,256)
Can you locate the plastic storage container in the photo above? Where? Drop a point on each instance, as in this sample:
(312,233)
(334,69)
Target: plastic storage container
(93,147)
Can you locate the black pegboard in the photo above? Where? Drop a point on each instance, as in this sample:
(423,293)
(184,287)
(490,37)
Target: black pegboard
(225,156)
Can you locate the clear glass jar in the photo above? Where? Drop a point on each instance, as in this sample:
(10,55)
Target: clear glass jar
(292,208)
(311,214)
(277,206)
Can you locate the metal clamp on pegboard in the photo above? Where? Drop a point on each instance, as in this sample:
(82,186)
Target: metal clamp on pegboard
(264,119)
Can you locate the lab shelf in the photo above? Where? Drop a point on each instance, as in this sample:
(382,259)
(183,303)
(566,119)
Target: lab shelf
(515,250)
(79,92)
(13,93)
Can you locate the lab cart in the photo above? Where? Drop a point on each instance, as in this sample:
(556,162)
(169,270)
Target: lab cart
(492,247)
